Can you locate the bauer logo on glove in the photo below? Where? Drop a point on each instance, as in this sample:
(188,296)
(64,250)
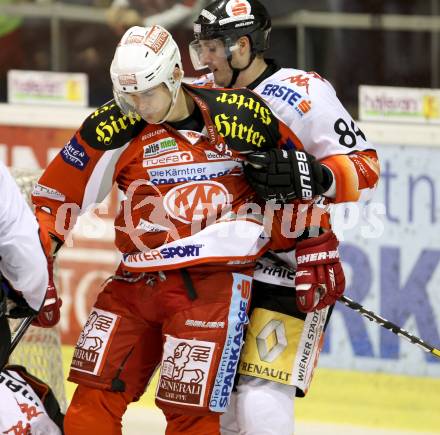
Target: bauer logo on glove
(284,175)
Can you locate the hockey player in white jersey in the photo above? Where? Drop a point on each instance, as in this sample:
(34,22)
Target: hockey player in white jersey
(25,291)
(28,405)
(23,262)
(231,37)
(26,287)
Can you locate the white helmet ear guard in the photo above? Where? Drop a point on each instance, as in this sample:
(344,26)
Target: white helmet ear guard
(144,58)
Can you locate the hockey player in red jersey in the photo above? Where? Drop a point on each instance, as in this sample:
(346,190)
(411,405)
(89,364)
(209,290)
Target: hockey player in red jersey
(188,231)
(231,37)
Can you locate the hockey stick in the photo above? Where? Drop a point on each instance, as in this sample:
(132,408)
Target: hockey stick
(5,331)
(19,332)
(9,339)
(16,337)
(370,315)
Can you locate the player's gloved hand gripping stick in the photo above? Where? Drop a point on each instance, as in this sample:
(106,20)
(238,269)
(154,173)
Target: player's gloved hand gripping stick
(317,286)
(14,306)
(7,342)
(319,279)
(49,314)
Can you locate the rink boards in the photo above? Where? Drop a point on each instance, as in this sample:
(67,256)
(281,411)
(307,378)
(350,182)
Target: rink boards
(391,253)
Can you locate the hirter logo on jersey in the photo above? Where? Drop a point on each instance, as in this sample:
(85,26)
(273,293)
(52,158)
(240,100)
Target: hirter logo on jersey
(196,200)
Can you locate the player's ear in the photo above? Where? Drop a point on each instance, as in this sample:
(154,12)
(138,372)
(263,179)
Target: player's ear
(244,44)
(178,73)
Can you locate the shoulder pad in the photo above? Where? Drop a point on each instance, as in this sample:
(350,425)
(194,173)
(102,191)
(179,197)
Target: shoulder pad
(301,79)
(107,128)
(241,117)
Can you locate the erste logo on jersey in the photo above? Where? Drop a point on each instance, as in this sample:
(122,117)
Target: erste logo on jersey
(196,200)
(289,95)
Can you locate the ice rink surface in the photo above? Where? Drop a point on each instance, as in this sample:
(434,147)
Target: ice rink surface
(340,403)
(147,421)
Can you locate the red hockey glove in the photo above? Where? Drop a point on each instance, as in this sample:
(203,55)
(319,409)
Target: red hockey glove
(319,279)
(49,314)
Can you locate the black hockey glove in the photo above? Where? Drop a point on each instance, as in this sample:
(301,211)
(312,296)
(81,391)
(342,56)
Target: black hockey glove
(18,307)
(282,175)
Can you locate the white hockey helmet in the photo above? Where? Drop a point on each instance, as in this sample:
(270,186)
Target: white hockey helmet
(144,58)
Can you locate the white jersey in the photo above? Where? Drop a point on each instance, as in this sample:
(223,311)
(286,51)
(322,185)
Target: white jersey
(22,410)
(23,262)
(309,106)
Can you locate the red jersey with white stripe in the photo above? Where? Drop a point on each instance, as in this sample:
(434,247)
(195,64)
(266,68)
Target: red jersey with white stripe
(184,190)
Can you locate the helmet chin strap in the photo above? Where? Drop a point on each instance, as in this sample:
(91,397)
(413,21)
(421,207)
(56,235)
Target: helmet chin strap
(236,71)
(173,102)
(174,94)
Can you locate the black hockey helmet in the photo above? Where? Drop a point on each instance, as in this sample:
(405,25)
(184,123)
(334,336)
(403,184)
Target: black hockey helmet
(232,19)
(229,20)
